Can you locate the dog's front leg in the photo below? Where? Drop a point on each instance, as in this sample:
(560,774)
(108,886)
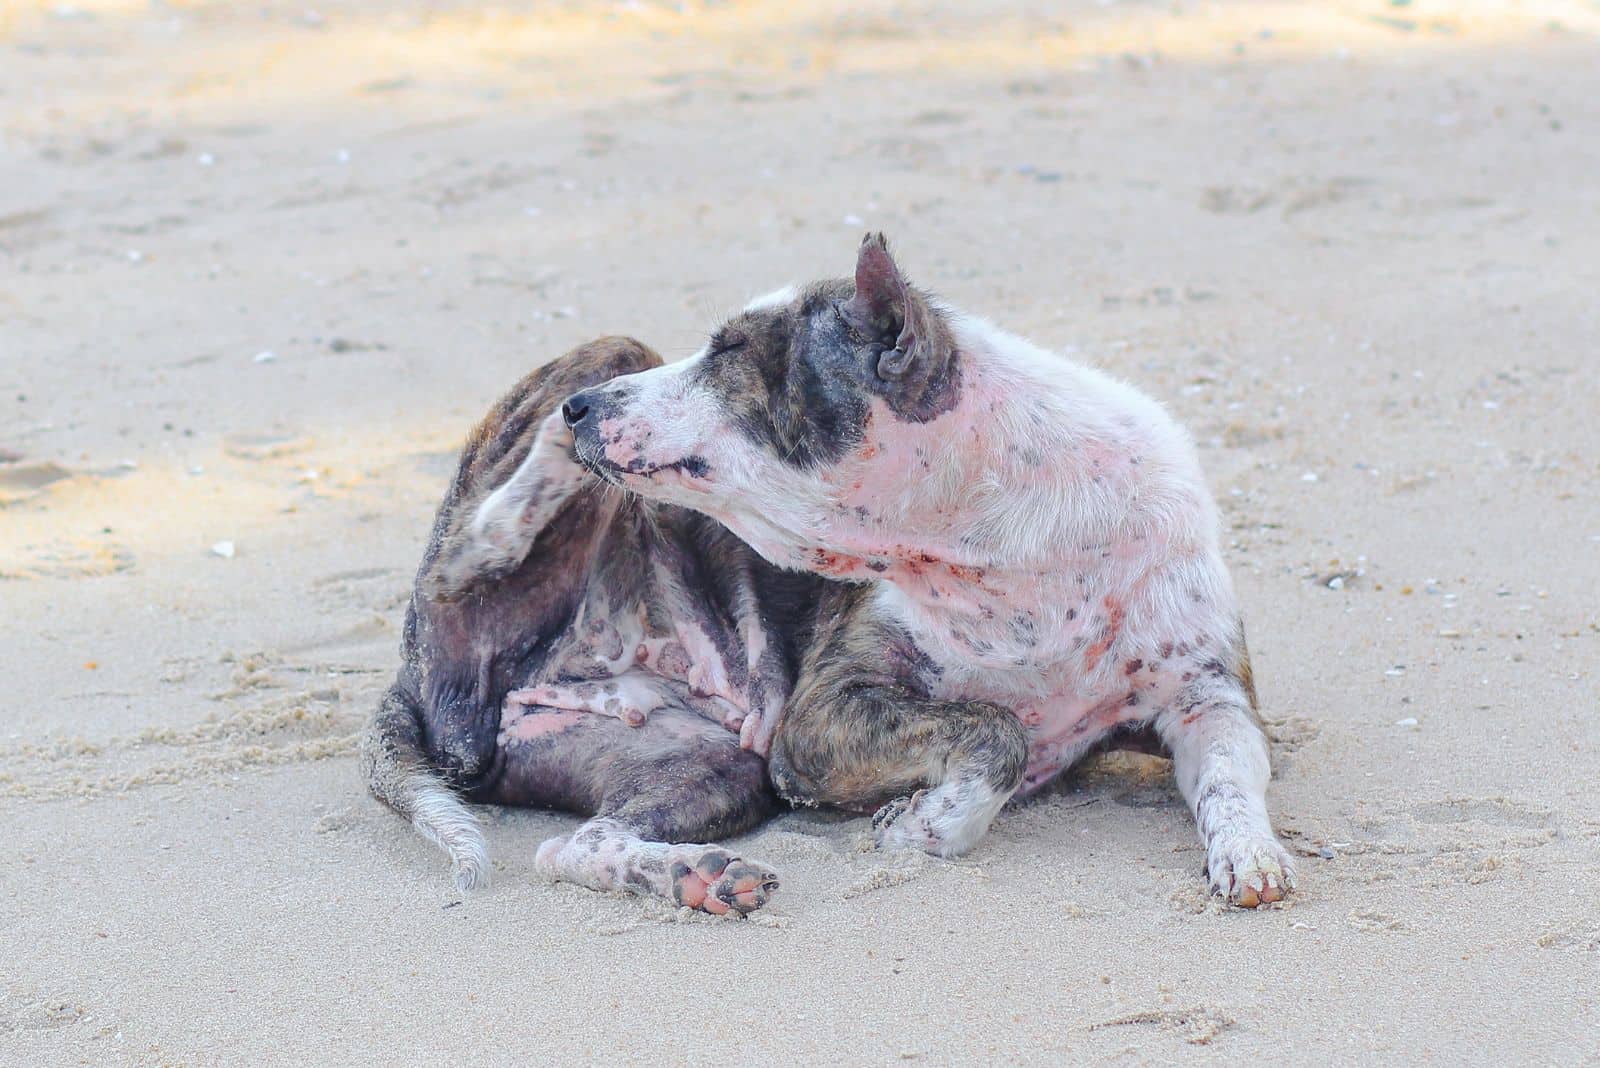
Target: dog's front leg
(1219,754)
(495,537)
(940,770)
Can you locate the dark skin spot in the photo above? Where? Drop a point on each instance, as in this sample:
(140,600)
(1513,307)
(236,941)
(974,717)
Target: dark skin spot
(712,864)
(674,660)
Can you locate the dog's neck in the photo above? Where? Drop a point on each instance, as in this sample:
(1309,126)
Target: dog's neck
(1048,486)
(1041,460)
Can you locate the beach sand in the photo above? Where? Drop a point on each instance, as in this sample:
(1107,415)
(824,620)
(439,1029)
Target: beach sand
(261,266)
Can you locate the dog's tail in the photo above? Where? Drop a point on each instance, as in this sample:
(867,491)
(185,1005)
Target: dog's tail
(398,774)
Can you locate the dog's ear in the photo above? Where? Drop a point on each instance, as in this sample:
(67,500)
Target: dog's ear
(916,347)
(879,306)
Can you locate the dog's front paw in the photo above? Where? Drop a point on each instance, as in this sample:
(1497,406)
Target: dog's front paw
(1249,869)
(900,823)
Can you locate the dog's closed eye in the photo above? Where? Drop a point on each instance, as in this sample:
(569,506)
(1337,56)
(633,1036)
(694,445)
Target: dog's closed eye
(724,343)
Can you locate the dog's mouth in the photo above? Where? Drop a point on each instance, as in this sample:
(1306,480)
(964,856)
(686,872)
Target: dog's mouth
(595,461)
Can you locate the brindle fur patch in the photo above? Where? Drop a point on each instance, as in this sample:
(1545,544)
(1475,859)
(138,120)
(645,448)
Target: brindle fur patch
(799,377)
(860,729)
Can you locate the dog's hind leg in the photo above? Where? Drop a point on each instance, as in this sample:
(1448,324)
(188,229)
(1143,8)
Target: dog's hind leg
(498,533)
(675,783)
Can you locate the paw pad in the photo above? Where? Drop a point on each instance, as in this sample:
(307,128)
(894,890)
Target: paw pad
(719,882)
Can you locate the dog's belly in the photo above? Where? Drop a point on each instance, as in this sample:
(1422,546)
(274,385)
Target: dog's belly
(657,628)
(628,665)
(1062,730)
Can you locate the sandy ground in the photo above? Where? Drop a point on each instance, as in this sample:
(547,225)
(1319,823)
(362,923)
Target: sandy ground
(260,266)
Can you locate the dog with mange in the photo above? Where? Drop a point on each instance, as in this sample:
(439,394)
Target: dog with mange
(1033,552)
(960,565)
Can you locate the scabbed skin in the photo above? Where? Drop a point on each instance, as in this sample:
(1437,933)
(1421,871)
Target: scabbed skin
(571,647)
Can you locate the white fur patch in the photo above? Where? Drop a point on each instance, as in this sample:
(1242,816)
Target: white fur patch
(776,299)
(948,820)
(444,819)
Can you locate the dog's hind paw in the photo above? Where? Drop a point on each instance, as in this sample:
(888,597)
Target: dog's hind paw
(604,855)
(718,882)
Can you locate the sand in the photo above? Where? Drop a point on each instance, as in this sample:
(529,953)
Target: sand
(261,266)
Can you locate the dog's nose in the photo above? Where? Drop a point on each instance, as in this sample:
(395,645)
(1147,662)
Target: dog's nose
(576,408)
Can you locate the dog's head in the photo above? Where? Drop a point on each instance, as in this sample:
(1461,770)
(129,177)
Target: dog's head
(803,424)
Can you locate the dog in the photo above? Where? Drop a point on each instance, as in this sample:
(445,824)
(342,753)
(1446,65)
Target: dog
(571,647)
(1027,552)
